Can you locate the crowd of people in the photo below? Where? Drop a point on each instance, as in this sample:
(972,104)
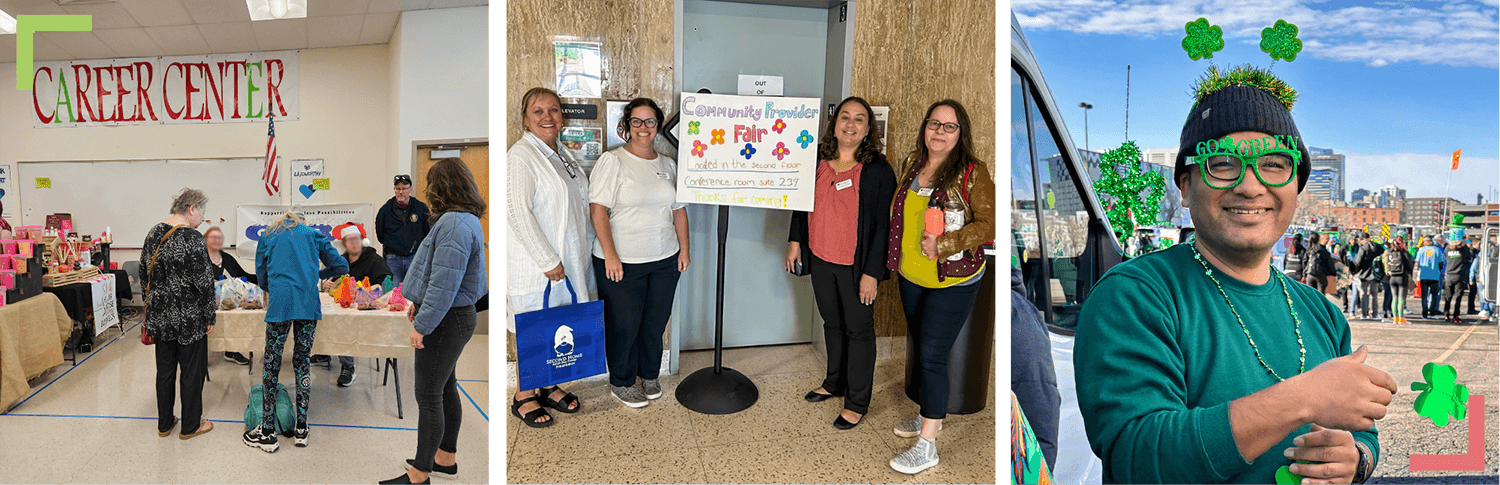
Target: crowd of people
(1372,277)
(436,256)
(619,234)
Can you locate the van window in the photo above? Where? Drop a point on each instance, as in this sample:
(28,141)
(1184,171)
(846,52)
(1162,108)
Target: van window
(1025,233)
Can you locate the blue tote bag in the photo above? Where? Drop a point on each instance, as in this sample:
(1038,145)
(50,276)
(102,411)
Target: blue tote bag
(562,344)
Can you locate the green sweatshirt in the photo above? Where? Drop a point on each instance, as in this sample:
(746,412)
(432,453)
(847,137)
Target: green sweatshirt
(1159,357)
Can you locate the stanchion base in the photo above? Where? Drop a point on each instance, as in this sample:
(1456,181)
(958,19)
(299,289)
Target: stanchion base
(725,392)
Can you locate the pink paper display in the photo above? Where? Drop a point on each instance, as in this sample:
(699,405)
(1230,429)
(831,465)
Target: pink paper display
(25,247)
(8,278)
(8,246)
(18,264)
(5,263)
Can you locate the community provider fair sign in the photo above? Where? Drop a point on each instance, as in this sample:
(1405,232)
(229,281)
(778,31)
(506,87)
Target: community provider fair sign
(748,151)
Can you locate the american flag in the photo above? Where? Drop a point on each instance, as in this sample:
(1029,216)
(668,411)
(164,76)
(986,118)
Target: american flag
(272,173)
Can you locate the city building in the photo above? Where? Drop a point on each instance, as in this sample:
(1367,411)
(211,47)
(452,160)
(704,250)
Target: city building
(1166,157)
(1359,196)
(1478,215)
(1356,217)
(1390,196)
(1427,211)
(1327,178)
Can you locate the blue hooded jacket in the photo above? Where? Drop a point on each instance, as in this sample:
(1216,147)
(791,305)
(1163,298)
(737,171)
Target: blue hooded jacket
(286,262)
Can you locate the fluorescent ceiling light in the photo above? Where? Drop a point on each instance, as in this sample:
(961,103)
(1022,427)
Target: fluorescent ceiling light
(276,9)
(7,23)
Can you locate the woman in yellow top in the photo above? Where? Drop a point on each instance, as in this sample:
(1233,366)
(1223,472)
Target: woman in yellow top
(939,273)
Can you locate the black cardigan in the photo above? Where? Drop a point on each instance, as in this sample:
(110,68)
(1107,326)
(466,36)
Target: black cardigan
(229,265)
(877,184)
(369,264)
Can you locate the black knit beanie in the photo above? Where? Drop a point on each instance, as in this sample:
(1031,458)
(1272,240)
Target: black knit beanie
(1240,108)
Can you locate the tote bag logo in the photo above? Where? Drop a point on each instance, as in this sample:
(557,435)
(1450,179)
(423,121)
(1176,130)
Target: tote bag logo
(562,342)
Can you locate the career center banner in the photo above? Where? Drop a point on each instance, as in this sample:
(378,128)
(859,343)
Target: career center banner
(749,151)
(251,221)
(218,88)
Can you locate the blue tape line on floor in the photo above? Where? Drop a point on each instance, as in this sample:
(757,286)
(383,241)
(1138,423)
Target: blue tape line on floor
(70,369)
(471,401)
(473,380)
(237,421)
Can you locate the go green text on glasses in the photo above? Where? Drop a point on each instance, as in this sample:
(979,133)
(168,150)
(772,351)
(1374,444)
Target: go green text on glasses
(1222,164)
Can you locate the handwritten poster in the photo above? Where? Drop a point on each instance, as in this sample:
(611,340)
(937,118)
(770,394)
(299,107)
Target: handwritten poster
(749,151)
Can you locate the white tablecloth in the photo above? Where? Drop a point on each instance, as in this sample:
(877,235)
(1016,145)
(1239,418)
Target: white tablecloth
(343,331)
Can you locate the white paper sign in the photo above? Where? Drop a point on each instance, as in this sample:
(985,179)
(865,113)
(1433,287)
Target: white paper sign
(305,173)
(251,221)
(757,85)
(7,189)
(748,151)
(105,313)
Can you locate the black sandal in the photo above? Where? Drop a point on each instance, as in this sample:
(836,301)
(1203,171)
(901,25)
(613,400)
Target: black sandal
(531,417)
(562,404)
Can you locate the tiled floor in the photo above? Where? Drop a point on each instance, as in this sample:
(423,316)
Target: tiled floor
(95,423)
(781,439)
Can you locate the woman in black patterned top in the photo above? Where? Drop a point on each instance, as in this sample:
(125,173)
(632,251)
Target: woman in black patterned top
(179,296)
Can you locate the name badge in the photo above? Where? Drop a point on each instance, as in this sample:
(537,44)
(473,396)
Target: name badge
(846,183)
(663,176)
(927,192)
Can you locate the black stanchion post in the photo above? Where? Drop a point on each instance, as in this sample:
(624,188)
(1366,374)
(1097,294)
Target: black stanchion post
(718,389)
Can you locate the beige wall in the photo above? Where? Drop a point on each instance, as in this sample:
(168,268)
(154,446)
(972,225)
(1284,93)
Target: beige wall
(909,54)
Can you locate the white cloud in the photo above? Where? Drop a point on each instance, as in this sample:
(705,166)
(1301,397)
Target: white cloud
(1459,33)
(1423,174)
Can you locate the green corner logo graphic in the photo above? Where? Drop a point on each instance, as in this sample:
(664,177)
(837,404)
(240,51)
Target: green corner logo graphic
(26,25)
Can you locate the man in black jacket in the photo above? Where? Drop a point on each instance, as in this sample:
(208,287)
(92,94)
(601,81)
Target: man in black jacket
(400,225)
(1365,261)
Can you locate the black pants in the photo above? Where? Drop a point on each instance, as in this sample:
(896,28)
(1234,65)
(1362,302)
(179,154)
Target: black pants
(636,310)
(848,332)
(193,360)
(1385,297)
(1318,282)
(933,318)
(1430,296)
(1453,296)
(439,406)
(1473,291)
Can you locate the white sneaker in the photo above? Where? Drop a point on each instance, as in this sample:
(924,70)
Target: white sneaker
(912,427)
(922,455)
(630,396)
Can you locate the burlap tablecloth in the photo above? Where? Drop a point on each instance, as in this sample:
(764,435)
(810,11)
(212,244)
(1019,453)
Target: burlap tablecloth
(32,333)
(343,331)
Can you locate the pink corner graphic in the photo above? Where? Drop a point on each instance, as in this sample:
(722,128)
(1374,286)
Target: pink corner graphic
(1471,461)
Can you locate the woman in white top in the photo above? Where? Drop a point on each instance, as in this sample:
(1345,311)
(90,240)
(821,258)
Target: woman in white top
(547,232)
(641,250)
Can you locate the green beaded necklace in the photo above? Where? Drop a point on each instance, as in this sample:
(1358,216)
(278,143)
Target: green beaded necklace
(1302,349)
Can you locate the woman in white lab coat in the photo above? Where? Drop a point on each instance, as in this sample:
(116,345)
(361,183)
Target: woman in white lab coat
(548,234)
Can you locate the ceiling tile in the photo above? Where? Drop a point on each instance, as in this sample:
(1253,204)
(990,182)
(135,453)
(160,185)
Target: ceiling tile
(384,6)
(179,40)
(334,31)
(217,11)
(457,3)
(45,50)
(31,7)
(409,5)
(106,15)
(278,35)
(336,8)
(7,48)
(156,13)
(378,28)
(129,42)
(229,38)
(81,45)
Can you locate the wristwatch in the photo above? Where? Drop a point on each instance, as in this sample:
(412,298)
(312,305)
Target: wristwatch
(1364,468)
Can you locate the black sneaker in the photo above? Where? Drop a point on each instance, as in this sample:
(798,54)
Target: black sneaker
(299,435)
(321,359)
(236,358)
(256,438)
(445,472)
(346,376)
(403,479)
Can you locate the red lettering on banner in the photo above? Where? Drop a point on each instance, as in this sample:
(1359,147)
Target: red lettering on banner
(100,93)
(273,93)
(120,92)
(36,105)
(188,90)
(218,94)
(83,77)
(143,91)
(234,68)
(166,101)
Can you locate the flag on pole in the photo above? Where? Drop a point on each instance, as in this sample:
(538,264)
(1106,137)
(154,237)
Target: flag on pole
(1455,158)
(272,174)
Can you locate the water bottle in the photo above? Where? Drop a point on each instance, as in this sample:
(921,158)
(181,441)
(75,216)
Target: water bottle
(953,220)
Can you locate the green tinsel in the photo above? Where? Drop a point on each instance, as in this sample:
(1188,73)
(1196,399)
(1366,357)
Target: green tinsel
(1213,80)
(1121,177)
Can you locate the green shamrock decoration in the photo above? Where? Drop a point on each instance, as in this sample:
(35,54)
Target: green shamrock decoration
(1127,187)
(1458,221)
(1202,40)
(1281,41)
(1284,475)
(1441,395)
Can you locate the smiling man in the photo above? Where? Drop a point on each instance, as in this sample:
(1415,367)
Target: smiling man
(1205,364)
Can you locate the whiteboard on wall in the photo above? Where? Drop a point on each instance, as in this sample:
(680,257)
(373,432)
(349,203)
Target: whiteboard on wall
(131,196)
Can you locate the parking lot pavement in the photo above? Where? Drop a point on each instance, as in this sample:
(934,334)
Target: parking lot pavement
(1401,350)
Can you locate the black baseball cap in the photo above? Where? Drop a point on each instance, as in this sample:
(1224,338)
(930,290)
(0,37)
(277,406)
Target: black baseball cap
(402,179)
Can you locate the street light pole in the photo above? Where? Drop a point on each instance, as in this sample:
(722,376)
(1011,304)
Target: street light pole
(1086,107)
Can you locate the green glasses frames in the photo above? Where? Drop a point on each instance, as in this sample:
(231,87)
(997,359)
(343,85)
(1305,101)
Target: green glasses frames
(1224,170)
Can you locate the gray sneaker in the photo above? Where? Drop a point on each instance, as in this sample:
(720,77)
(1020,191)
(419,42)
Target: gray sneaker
(921,456)
(630,396)
(911,428)
(652,388)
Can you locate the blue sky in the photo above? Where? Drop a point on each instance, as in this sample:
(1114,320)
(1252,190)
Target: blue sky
(1396,86)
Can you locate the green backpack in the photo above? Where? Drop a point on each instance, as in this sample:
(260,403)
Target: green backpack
(285,419)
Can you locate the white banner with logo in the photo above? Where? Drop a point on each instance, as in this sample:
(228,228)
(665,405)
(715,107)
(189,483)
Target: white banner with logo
(7,188)
(105,313)
(251,221)
(308,181)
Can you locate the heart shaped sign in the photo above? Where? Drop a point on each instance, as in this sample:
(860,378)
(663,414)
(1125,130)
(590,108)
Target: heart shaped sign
(307,191)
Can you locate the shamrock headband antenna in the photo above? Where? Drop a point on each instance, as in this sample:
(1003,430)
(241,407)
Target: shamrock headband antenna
(1204,39)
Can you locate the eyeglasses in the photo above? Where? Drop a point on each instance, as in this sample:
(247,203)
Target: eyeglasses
(1224,170)
(648,122)
(934,125)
